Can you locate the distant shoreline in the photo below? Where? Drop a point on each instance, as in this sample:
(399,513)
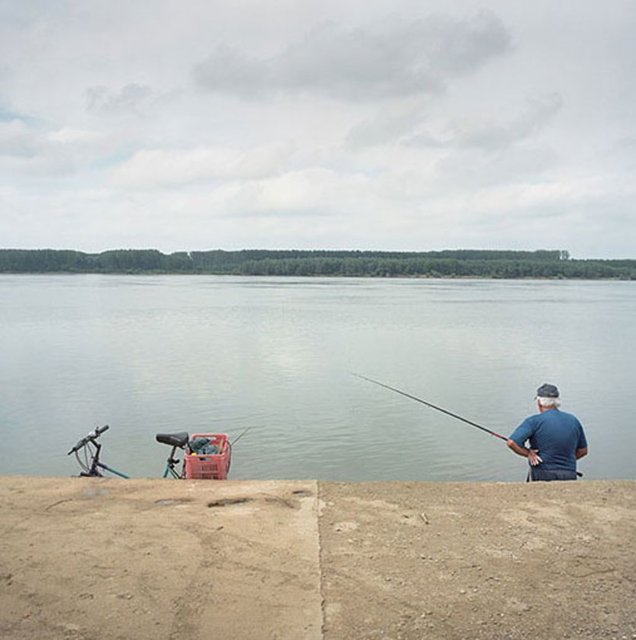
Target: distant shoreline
(320,276)
(447,264)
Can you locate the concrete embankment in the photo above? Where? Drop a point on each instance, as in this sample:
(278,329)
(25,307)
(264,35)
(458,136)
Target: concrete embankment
(288,560)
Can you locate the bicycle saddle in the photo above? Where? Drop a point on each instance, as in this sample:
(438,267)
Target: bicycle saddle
(173,439)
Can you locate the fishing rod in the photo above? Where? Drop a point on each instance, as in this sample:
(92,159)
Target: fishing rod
(432,406)
(240,435)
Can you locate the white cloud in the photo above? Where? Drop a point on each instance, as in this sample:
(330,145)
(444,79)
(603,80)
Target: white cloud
(34,150)
(315,191)
(68,135)
(161,167)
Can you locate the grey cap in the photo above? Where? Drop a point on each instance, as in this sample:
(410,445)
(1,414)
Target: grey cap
(547,391)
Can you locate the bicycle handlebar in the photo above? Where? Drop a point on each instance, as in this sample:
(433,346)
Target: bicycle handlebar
(91,437)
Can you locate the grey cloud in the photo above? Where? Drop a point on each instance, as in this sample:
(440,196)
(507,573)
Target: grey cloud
(387,127)
(538,113)
(228,70)
(461,46)
(489,135)
(475,170)
(395,59)
(408,127)
(128,98)
(355,65)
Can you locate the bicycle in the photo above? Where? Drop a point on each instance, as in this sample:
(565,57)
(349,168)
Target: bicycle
(209,459)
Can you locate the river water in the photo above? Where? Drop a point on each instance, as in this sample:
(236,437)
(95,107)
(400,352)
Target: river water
(146,354)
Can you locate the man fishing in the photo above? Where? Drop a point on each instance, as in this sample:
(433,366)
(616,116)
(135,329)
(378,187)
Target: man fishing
(556,439)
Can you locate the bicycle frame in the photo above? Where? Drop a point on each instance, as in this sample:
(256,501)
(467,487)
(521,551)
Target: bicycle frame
(176,441)
(96,465)
(170,469)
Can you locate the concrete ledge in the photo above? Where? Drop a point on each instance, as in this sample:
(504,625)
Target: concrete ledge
(152,559)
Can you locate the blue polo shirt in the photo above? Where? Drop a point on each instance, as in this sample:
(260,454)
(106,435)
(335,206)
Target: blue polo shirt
(556,434)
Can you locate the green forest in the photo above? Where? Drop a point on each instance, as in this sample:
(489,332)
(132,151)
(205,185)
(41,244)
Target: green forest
(381,264)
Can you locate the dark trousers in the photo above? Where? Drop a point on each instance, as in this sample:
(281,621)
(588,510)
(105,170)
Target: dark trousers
(543,475)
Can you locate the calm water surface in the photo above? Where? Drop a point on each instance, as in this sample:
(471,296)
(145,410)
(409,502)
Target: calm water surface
(168,353)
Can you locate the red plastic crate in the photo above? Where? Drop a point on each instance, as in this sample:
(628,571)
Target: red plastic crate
(209,466)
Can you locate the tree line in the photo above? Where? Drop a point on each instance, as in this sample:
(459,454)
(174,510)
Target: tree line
(462,263)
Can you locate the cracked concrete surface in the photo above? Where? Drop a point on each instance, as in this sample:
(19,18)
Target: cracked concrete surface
(86,558)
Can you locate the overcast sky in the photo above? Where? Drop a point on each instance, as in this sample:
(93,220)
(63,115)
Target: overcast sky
(328,124)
